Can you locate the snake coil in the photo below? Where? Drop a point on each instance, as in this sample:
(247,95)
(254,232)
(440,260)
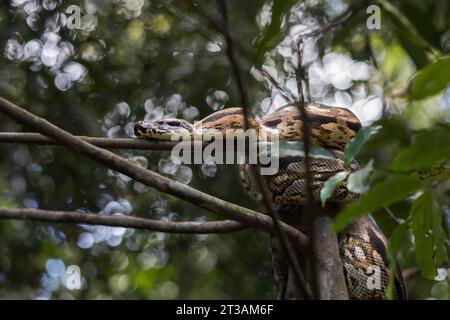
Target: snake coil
(362,244)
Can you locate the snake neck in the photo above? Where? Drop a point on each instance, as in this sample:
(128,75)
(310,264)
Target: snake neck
(226,122)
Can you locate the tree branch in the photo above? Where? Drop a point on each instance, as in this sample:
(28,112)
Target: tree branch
(414,271)
(333,23)
(191,227)
(109,143)
(328,268)
(148,177)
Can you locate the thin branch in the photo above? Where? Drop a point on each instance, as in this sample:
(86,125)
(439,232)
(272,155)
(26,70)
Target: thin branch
(109,143)
(152,179)
(187,227)
(333,23)
(180,15)
(208,16)
(286,93)
(414,271)
(261,182)
(300,75)
(392,216)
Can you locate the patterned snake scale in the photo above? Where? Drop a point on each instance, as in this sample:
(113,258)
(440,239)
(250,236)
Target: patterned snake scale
(362,244)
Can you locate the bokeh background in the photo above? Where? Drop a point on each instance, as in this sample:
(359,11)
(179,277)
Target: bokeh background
(142,59)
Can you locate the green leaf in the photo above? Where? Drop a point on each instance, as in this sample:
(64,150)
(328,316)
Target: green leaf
(394,244)
(354,146)
(429,235)
(330,185)
(430,80)
(358,181)
(403,25)
(433,173)
(274,32)
(382,194)
(428,148)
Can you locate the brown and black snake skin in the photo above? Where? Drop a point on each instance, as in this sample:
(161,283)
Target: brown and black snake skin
(362,244)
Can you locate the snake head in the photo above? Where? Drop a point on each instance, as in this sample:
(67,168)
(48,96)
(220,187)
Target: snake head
(165,129)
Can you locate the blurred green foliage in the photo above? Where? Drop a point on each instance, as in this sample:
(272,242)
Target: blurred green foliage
(136,59)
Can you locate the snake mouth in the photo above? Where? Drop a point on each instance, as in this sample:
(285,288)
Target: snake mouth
(166,129)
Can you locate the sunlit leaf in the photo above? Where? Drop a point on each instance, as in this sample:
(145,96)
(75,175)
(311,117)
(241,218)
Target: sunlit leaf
(274,32)
(430,80)
(330,185)
(358,181)
(355,145)
(428,148)
(382,194)
(426,222)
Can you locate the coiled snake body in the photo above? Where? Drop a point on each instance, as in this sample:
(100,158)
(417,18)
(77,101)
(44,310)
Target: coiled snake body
(362,244)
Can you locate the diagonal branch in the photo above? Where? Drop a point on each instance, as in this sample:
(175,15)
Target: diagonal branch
(336,21)
(148,177)
(191,227)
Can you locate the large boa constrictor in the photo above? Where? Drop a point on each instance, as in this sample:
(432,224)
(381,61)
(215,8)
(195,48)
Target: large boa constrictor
(362,244)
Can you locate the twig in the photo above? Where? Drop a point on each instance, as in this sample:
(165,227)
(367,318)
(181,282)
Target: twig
(177,13)
(340,19)
(299,75)
(414,271)
(392,216)
(188,227)
(203,200)
(287,94)
(261,183)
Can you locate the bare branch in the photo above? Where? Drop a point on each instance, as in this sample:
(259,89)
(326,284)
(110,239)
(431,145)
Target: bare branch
(110,143)
(329,26)
(286,93)
(333,23)
(414,271)
(188,227)
(300,75)
(328,268)
(226,209)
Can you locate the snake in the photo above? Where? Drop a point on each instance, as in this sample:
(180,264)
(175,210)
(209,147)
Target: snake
(362,244)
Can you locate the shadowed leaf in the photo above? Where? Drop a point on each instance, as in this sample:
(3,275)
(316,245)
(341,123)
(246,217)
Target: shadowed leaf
(426,222)
(382,194)
(394,244)
(428,148)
